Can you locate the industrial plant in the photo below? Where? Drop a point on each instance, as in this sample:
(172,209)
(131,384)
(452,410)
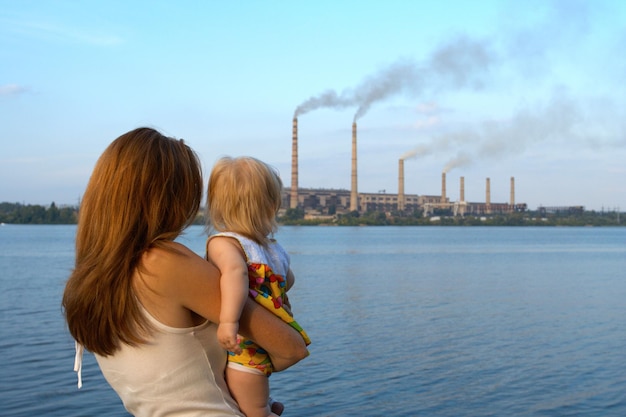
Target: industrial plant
(329,202)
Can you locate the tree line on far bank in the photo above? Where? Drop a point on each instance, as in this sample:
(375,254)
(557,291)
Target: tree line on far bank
(528,218)
(16,213)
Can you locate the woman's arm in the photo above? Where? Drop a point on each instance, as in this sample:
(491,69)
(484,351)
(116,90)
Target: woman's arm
(190,284)
(283,343)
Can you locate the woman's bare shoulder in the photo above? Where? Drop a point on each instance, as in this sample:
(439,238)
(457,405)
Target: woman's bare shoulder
(171,264)
(178,281)
(168,253)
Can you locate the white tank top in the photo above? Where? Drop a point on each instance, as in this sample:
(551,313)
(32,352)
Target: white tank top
(180,372)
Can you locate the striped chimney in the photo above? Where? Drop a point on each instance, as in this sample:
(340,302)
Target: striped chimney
(443,188)
(462,196)
(354,194)
(512,192)
(400,184)
(488,196)
(293,203)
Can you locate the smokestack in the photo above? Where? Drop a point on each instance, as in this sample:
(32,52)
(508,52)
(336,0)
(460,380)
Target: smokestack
(462,196)
(401,185)
(512,192)
(488,196)
(293,203)
(354,194)
(443,188)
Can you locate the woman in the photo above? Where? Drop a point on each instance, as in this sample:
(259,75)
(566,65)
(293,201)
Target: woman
(146,306)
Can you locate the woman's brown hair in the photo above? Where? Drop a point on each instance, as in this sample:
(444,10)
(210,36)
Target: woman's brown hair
(244,195)
(144,190)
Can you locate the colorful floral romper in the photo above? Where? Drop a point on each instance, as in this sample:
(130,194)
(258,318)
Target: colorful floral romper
(267,272)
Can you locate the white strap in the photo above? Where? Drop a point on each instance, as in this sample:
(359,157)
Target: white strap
(78,362)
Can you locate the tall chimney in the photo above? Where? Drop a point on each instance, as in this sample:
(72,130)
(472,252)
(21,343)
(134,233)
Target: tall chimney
(462,196)
(443,188)
(354,194)
(512,192)
(401,185)
(462,206)
(293,203)
(488,197)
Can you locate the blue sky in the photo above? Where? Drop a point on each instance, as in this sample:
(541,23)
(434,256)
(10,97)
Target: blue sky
(533,90)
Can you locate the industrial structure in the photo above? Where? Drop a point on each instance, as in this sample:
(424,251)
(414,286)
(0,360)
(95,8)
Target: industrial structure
(329,202)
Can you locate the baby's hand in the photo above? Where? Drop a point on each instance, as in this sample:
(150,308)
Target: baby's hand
(227,337)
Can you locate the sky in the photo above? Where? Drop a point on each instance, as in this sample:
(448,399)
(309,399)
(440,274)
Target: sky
(534,90)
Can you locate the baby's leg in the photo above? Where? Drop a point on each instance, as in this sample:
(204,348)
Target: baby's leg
(251,391)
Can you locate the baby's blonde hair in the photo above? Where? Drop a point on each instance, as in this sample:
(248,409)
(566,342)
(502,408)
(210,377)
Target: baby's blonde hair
(244,195)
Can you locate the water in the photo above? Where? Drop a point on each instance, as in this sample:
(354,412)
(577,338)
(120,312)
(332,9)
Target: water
(408,321)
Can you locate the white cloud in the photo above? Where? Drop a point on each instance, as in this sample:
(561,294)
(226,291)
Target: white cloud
(428,108)
(429,121)
(12,89)
(57,32)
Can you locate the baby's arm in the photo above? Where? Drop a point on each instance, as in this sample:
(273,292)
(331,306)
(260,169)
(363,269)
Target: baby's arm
(226,254)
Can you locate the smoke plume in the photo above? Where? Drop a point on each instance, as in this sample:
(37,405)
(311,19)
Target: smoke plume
(328,99)
(561,121)
(461,63)
(461,159)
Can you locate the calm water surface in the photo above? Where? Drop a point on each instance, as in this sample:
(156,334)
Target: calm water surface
(409,321)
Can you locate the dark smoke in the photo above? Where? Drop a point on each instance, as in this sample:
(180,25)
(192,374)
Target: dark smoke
(561,121)
(328,99)
(461,63)
(399,77)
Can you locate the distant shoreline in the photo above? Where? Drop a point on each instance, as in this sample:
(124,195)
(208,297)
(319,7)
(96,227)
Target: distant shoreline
(16,213)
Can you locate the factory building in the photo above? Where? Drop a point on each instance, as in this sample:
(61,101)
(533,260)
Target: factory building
(329,202)
(339,201)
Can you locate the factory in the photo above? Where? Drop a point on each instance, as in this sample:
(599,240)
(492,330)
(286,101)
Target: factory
(329,202)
